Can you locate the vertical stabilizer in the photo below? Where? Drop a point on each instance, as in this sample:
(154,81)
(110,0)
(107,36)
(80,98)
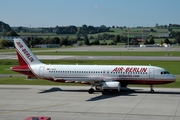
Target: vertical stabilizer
(25,55)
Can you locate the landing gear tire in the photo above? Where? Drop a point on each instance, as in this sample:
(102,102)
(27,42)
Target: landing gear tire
(91,91)
(152,90)
(105,92)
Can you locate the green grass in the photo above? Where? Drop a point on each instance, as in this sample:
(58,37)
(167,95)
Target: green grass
(23,81)
(33,49)
(5,69)
(171,66)
(175,84)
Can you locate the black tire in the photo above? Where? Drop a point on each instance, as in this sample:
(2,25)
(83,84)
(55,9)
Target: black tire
(91,91)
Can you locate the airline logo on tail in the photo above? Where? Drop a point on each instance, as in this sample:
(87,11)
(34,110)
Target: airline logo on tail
(26,53)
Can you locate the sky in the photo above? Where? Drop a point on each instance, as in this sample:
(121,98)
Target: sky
(50,13)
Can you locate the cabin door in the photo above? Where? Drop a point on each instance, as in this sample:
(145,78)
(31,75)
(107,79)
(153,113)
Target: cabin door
(151,73)
(41,71)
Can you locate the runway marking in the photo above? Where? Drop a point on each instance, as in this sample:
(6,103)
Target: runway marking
(29,109)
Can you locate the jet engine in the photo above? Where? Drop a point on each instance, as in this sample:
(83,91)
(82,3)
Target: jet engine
(111,86)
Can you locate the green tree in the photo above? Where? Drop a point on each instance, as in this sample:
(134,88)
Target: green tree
(85,28)
(95,42)
(3,43)
(10,43)
(157,25)
(166,41)
(56,40)
(4,33)
(12,33)
(4,26)
(86,40)
(151,40)
(117,39)
(177,39)
(64,41)
(38,40)
(31,43)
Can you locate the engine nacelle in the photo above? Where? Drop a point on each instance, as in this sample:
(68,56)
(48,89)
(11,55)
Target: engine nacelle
(111,85)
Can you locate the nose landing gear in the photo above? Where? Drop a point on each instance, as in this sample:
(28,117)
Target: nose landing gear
(151,89)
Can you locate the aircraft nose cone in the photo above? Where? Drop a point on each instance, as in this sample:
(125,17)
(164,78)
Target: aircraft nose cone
(173,78)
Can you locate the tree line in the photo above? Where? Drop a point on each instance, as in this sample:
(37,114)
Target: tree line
(86,35)
(4,27)
(99,39)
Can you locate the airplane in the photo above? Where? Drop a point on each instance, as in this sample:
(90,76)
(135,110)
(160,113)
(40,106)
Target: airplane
(103,78)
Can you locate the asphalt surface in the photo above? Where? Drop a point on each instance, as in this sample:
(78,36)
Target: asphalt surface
(12,55)
(74,103)
(64,57)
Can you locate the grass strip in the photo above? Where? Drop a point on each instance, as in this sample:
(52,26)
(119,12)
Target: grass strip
(112,53)
(23,81)
(171,66)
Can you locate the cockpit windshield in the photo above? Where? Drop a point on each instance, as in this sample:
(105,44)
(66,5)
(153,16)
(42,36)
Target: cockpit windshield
(165,72)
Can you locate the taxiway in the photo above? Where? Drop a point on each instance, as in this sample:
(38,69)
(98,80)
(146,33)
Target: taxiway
(74,103)
(65,57)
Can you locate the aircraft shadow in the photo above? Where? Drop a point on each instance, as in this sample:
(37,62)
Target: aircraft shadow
(57,89)
(124,92)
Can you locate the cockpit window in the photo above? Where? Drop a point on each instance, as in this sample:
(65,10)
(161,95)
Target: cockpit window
(165,72)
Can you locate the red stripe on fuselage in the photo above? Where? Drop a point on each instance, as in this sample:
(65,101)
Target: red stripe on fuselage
(136,81)
(147,81)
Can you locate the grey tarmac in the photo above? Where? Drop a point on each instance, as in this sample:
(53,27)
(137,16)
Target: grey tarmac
(74,103)
(64,57)
(12,55)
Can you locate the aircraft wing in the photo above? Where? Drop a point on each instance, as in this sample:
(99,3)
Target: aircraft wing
(85,79)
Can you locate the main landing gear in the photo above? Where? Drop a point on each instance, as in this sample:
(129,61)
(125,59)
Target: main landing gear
(91,91)
(151,89)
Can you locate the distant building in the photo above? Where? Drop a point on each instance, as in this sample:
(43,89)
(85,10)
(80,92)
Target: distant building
(9,37)
(163,35)
(47,46)
(141,37)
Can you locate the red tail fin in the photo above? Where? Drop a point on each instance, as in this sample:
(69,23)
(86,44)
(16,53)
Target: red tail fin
(21,60)
(25,55)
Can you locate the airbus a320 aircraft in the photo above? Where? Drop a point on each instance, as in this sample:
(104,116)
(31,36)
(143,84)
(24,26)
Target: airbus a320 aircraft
(101,77)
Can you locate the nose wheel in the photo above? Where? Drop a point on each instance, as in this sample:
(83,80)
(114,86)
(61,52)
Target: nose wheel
(151,89)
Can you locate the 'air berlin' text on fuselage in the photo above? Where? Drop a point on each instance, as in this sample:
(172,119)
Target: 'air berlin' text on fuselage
(129,69)
(25,52)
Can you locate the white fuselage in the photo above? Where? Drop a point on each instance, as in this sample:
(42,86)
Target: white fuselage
(92,73)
